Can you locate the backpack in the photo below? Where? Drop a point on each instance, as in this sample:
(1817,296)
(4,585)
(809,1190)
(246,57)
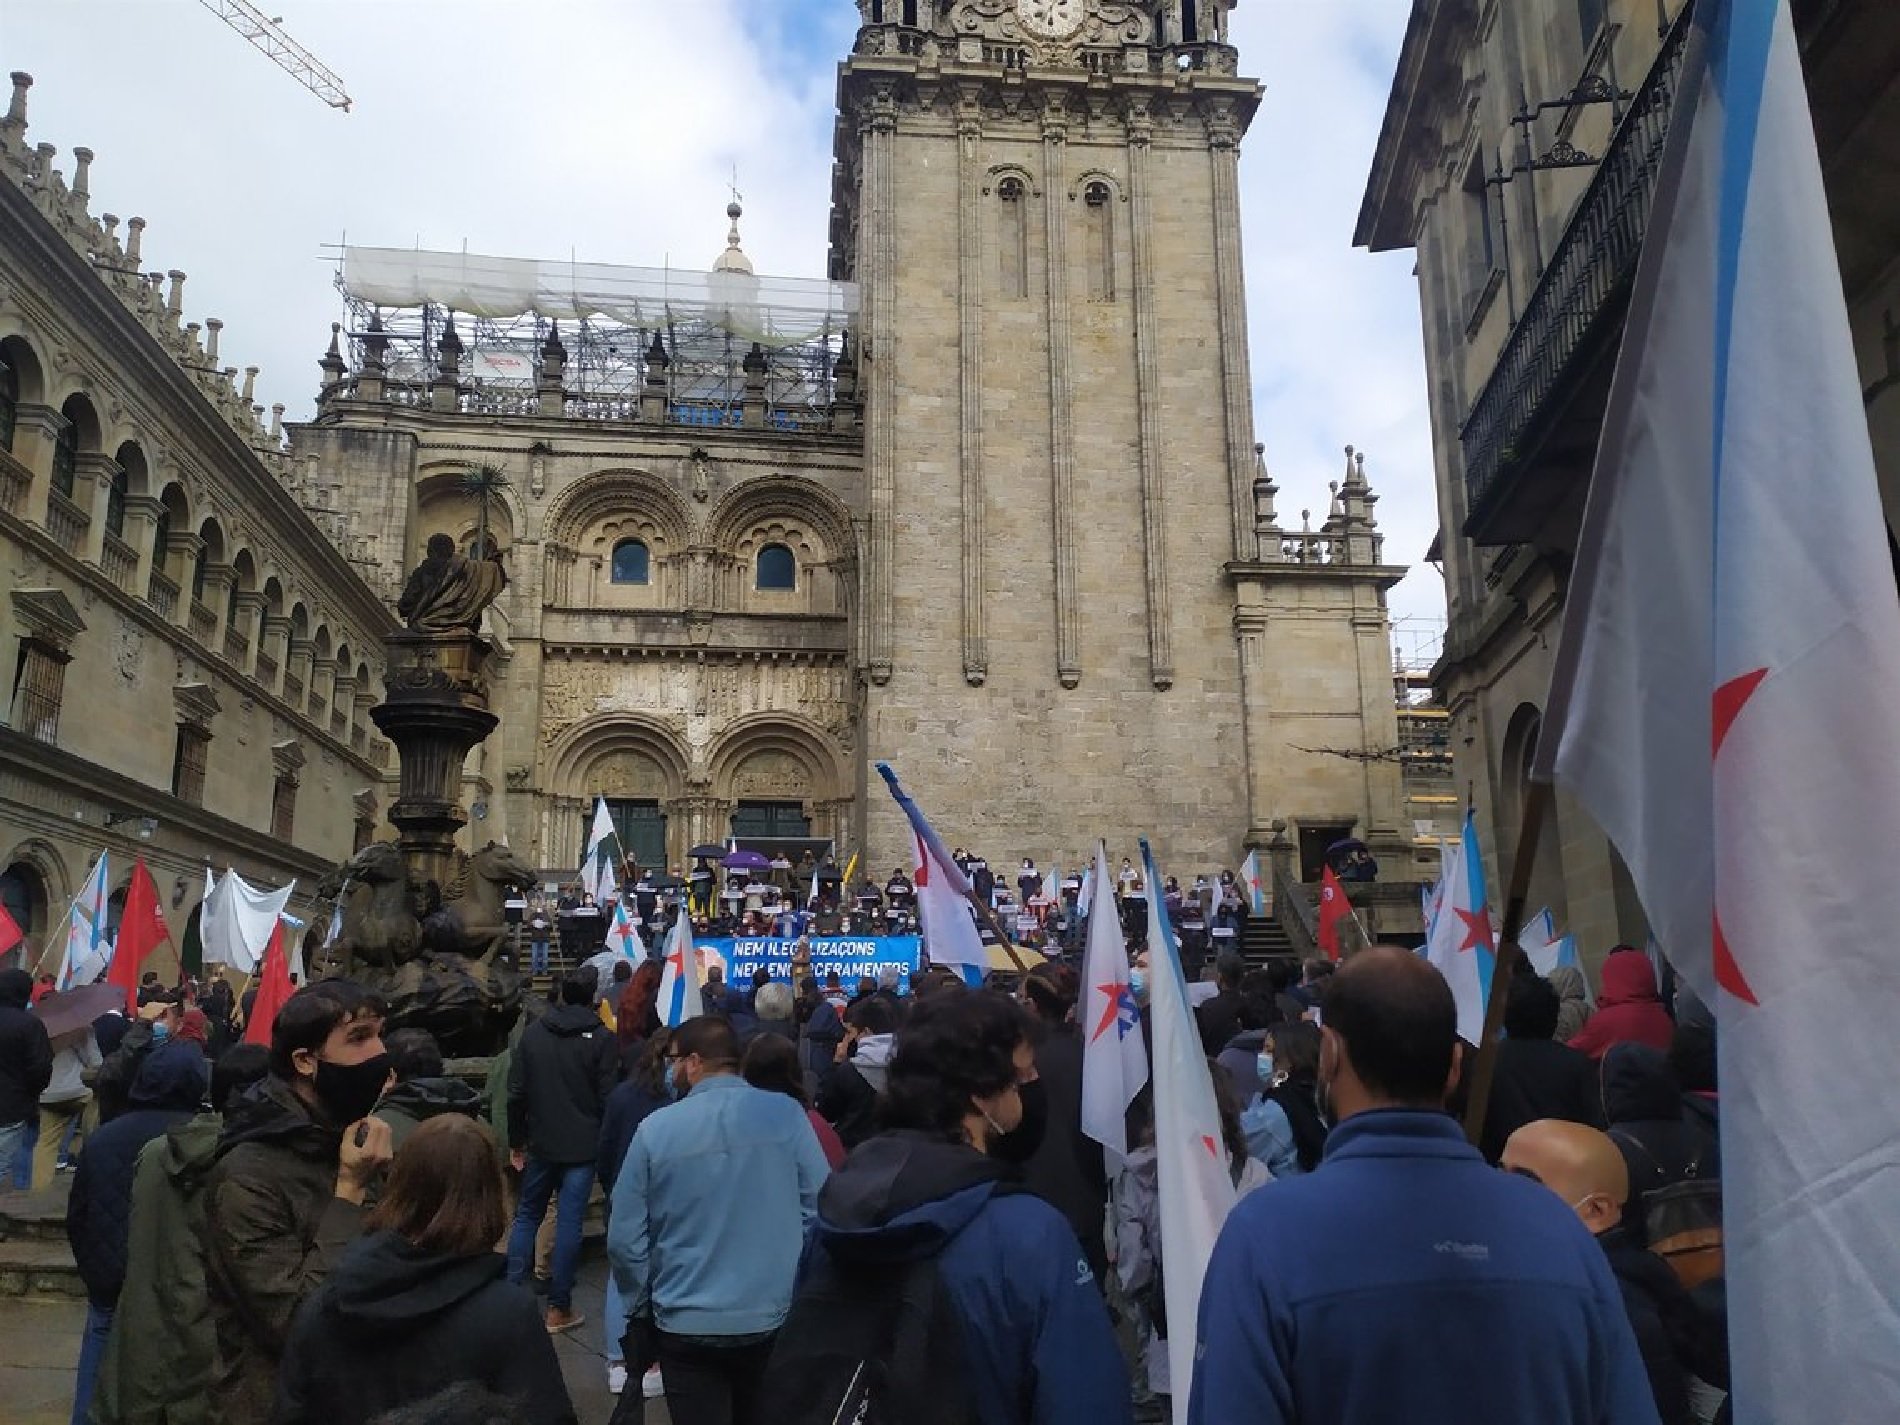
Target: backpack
(869,1345)
(1682,1221)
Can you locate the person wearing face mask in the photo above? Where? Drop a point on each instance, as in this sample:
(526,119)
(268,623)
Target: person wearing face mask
(295,1159)
(1028,1340)
(1587,1172)
(1064,1166)
(710,1208)
(1423,1239)
(1282,1125)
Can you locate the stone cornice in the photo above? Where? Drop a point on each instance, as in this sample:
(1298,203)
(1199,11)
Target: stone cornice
(1291,571)
(46,260)
(1429,68)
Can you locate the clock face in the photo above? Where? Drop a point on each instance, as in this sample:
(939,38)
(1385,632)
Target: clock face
(1051,19)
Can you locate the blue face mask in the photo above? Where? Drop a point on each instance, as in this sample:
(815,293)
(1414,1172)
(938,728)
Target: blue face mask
(161,1031)
(1138,986)
(1264,1067)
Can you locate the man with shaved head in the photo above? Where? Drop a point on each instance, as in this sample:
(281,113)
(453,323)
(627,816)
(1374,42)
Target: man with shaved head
(1584,1167)
(1404,1279)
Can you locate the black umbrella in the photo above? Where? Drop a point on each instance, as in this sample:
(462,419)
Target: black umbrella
(707,852)
(830,873)
(666,883)
(1351,843)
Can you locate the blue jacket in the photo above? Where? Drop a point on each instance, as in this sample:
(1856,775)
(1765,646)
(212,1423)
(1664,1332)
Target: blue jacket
(710,1208)
(1037,1344)
(1405,1280)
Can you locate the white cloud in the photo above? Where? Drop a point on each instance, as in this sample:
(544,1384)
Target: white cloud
(611,128)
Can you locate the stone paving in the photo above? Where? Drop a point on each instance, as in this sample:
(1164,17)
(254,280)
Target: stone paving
(39,1346)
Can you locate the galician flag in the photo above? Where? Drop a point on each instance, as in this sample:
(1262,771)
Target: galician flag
(1254,880)
(1114,1060)
(1723,707)
(680,975)
(1462,943)
(88,952)
(1547,950)
(1196,1190)
(623,937)
(600,866)
(943,891)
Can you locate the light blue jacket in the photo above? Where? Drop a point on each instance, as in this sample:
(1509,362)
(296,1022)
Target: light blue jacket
(710,1210)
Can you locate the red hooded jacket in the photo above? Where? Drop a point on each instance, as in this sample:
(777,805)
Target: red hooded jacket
(1628,1010)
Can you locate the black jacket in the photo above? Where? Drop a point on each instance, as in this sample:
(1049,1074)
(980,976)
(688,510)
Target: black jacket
(170,1086)
(1537,1078)
(1672,1333)
(413,1102)
(849,1104)
(1066,1169)
(112,1086)
(1643,1108)
(26,1054)
(394,1325)
(627,1108)
(564,1068)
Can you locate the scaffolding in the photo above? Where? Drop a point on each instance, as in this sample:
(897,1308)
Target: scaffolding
(709,328)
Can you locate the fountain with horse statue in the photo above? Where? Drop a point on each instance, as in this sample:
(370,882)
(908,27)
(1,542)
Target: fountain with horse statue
(423,921)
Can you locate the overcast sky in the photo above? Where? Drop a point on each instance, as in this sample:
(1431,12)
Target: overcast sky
(611,129)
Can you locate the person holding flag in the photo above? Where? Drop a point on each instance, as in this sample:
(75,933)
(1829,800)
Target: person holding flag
(1478,1295)
(944,894)
(599,873)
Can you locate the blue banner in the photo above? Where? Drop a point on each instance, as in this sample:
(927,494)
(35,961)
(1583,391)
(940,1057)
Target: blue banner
(850,956)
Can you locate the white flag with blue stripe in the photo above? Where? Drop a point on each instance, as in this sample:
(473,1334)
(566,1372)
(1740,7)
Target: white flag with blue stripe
(680,978)
(88,952)
(1723,707)
(1461,943)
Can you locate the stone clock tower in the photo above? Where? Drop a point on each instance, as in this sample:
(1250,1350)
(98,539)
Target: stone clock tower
(1069,622)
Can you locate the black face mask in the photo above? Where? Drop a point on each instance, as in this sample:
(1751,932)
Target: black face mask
(1019,1145)
(349,1091)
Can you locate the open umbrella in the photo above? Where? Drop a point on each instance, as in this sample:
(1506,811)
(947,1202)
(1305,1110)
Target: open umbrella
(1351,843)
(708,852)
(747,861)
(666,883)
(75,1009)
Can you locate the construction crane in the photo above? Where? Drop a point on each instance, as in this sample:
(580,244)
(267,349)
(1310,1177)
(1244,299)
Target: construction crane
(282,51)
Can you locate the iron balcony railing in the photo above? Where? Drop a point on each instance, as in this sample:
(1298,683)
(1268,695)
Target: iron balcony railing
(1587,278)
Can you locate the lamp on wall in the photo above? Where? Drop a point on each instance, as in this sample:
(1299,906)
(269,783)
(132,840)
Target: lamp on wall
(147,825)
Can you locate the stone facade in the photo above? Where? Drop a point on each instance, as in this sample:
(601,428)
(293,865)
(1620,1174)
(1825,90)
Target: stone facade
(1037,564)
(1525,233)
(193,659)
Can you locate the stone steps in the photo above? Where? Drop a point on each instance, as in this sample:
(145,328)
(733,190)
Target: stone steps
(35,1260)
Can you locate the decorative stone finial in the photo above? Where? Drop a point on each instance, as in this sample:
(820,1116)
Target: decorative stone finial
(175,303)
(134,236)
(214,328)
(250,385)
(82,173)
(16,107)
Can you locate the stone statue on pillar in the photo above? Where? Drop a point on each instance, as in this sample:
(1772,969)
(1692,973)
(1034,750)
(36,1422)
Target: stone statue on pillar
(448,590)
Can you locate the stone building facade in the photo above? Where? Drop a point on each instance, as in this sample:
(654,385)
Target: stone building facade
(192,659)
(1527,215)
(1023,541)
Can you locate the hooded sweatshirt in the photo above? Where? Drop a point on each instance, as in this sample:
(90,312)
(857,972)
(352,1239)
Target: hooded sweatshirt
(1628,1010)
(1573,993)
(414,1102)
(1643,1107)
(394,1325)
(170,1086)
(26,1054)
(1037,1345)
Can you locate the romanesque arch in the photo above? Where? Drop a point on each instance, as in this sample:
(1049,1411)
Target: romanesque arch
(782,512)
(634,763)
(443,506)
(776,760)
(605,510)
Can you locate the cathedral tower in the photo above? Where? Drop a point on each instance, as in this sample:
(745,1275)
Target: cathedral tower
(1040,202)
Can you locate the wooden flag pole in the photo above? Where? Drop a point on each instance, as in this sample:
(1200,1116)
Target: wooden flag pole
(1484,1069)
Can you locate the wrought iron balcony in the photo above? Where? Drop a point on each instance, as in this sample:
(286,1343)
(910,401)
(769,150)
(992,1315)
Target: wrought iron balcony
(1573,316)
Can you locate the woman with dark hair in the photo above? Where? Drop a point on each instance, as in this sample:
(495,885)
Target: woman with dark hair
(771,1063)
(1283,1127)
(421,1303)
(635,1015)
(1032,1340)
(644,1092)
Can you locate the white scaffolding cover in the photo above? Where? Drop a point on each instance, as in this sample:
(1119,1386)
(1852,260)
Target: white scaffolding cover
(776,311)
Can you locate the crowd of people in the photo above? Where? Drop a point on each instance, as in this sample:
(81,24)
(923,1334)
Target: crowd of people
(877,1203)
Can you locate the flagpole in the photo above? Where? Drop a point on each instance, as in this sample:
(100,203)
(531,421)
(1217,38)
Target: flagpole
(1504,962)
(66,923)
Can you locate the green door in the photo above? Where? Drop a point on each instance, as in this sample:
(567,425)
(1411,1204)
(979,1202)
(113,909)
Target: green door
(641,826)
(770,821)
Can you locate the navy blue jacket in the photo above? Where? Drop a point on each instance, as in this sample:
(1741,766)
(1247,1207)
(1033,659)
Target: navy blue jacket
(1405,1280)
(1037,1344)
(169,1088)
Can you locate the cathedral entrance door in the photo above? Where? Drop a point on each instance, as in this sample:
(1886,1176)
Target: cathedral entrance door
(770,821)
(641,826)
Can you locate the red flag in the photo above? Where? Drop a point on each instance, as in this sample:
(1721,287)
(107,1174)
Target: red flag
(10,932)
(142,930)
(1333,908)
(273,988)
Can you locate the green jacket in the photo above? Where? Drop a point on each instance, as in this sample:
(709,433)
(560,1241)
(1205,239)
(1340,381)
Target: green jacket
(273,1227)
(158,1357)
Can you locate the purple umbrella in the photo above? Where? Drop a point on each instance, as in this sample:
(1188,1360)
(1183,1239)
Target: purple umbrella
(746,861)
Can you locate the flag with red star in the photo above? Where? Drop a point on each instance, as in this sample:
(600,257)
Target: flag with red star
(1462,944)
(1114,1060)
(1723,705)
(681,975)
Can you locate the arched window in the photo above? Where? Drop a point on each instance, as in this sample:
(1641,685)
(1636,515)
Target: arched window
(66,455)
(778,568)
(9,402)
(1013,237)
(633,563)
(1099,223)
(115,503)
